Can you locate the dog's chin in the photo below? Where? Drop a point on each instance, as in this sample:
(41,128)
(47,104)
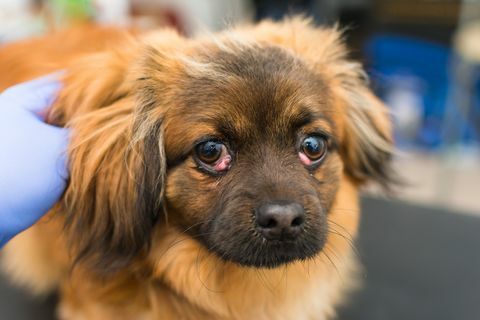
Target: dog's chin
(261,253)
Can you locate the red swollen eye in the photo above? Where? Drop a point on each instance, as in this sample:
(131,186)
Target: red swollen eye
(214,155)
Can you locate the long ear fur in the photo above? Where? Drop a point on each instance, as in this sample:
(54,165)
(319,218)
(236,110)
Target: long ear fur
(114,102)
(155,74)
(368,146)
(114,194)
(105,227)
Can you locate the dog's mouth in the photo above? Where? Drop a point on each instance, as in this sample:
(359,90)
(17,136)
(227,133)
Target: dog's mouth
(273,254)
(252,249)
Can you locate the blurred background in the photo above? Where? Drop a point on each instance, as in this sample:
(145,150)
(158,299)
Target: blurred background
(423,58)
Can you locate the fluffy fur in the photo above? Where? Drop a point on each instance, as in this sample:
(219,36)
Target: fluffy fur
(141,232)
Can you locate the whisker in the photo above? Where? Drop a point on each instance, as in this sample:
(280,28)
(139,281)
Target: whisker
(347,238)
(331,261)
(345,210)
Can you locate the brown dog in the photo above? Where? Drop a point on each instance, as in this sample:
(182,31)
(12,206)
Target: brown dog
(211,178)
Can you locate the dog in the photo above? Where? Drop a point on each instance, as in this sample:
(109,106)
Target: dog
(213,177)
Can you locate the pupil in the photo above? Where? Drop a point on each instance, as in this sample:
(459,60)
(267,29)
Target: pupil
(312,145)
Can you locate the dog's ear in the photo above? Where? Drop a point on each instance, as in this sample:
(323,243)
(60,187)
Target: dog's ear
(159,72)
(367,146)
(117,163)
(115,102)
(105,227)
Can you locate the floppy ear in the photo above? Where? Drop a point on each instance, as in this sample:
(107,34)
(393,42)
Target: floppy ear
(114,194)
(368,146)
(159,73)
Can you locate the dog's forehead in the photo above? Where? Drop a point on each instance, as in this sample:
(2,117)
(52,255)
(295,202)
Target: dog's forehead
(254,90)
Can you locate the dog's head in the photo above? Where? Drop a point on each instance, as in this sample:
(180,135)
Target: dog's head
(241,141)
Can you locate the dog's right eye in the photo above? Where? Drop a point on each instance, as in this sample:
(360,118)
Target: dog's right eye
(213,155)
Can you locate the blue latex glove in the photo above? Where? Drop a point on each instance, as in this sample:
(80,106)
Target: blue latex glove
(33,168)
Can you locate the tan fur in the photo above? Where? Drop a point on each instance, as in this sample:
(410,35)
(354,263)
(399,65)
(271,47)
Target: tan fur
(177,277)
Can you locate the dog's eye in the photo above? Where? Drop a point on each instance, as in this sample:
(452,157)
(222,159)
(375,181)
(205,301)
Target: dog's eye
(209,152)
(312,149)
(213,155)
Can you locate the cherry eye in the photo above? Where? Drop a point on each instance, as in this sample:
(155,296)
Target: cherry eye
(209,151)
(313,149)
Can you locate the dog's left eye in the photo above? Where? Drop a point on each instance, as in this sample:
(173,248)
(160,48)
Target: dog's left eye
(214,155)
(312,150)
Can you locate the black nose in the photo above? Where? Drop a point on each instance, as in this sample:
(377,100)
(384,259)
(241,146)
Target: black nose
(280,220)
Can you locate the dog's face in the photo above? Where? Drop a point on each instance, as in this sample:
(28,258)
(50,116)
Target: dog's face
(253,157)
(242,144)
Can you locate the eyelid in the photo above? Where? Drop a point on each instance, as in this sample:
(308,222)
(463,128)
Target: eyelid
(321,126)
(329,138)
(204,139)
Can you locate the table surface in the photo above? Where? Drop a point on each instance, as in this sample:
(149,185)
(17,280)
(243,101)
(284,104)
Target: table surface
(420,263)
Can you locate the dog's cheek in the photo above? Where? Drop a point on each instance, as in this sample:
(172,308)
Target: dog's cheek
(190,195)
(327,179)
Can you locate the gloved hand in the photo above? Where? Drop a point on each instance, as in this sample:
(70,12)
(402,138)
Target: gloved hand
(33,164)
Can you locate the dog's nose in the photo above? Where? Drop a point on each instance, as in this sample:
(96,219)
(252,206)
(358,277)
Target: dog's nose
(280,220)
